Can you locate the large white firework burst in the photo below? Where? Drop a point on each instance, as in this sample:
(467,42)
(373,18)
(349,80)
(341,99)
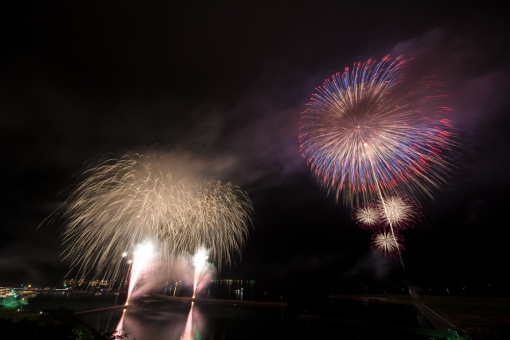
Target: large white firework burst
(124,202)
(217,218)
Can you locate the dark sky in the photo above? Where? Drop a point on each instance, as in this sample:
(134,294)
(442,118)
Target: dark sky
(222,86)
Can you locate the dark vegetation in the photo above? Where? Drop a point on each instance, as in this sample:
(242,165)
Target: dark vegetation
(55,324)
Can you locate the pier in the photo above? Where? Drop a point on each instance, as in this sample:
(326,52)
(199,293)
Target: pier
(102,309)
(435,319)
(221,301)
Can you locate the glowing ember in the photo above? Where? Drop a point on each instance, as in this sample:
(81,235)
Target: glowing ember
(199,262)
(143,254)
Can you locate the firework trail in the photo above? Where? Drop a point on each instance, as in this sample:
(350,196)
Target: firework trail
(369,134)
(142,257)
(200,263)
(124,202)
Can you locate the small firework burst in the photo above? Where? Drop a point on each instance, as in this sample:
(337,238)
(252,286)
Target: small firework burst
(373,134)
(397,212)
(393,211)
(367,217)
(387,243)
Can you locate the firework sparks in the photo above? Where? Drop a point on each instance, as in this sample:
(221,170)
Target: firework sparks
(389,244)
(397,212)
(127,201)
(143,255)
(217,218)
(199,262)
(369,134)
(394,211)
(368,217)
(372,135)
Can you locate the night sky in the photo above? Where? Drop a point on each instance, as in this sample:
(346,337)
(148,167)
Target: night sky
(221,87)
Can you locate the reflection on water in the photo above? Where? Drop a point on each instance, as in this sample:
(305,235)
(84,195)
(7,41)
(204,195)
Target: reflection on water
(170,322)
(191,331)
(119,331)
(179,320)
(188,330)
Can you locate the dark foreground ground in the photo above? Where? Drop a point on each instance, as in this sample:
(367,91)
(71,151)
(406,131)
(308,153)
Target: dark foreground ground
(471,317)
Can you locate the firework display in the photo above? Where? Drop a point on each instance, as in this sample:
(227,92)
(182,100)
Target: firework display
(125,202)
(392,213)
(392,210)
(397,212)
(372,135)
(368,217)
(387,243)
(217,218)
(142,256)
(368,133)
(200,264)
